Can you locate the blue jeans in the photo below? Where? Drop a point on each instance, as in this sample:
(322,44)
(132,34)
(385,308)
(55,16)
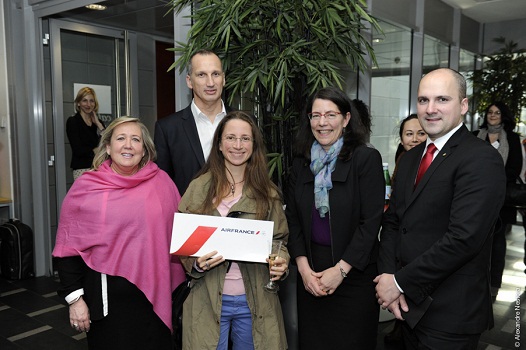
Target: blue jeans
(237,319)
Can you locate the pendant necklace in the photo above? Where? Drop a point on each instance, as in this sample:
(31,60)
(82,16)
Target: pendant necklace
(233,186)
(233,183)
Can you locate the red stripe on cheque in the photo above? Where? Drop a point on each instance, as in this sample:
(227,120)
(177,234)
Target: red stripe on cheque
(196,240)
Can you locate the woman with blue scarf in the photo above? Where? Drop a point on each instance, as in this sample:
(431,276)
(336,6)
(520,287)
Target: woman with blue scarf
(335,200)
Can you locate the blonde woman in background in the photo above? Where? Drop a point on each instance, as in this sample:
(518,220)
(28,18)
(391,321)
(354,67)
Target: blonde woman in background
(83,130)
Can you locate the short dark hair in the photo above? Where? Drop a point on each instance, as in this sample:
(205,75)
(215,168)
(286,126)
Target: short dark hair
(204,52)
(400,149)
(405,120)
(354,134)
(460,80)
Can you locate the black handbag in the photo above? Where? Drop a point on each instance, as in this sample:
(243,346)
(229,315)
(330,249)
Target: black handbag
(179,295)
(516,194)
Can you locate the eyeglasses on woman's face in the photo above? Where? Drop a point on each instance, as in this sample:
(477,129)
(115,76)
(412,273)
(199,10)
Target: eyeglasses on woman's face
(233,139)
(317,116)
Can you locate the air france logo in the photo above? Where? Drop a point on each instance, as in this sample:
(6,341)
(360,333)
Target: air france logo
(196,240)
(235,230)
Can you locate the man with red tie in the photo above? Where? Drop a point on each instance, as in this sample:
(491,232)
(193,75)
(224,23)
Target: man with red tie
(436,236)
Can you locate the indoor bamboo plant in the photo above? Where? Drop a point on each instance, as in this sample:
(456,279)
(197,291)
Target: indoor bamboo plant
(502,78)
(276,53)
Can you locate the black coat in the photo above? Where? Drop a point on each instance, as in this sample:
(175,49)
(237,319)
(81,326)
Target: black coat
(178,147)
(436,238)
(83,139)
(356,206)
(513,169)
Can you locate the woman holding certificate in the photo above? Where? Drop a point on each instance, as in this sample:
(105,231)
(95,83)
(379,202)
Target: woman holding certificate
(228,298)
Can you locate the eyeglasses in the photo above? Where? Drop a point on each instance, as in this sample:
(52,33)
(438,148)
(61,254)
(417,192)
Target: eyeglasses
(233,139)
(329,115)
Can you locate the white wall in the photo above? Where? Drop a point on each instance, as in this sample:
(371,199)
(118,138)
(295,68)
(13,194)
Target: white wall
(512,30)
(389,105)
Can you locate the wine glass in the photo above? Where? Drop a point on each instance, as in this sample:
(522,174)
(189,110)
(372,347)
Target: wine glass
(272,286)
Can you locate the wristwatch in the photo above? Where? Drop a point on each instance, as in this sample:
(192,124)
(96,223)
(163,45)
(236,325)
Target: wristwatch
(344,275)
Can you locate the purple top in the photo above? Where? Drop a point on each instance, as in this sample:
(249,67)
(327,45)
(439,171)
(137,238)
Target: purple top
(321,229)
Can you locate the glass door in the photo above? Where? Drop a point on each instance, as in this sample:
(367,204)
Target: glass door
(81,55)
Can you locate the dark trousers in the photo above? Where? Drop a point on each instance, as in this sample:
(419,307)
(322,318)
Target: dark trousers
(524,226)
(498,255)
(423,338)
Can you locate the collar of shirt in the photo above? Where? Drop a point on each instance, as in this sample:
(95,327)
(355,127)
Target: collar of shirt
(198,114)
(441,141)
(205,128)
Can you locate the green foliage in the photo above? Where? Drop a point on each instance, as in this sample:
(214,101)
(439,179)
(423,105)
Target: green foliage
(502,79)
(276,53)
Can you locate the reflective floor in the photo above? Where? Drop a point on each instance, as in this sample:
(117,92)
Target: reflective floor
(32,316)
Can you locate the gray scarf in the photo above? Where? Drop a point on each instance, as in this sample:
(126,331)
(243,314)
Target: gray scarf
(503,147)
(322,165)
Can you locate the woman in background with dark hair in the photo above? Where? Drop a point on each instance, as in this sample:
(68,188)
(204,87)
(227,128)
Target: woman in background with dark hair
(497,129)
(335,201)
(411,134)
(365,117)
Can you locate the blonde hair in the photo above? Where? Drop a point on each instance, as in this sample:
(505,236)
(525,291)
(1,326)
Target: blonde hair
(83,92)
(105,140)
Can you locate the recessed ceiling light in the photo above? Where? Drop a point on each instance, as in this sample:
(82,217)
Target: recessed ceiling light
(96,7)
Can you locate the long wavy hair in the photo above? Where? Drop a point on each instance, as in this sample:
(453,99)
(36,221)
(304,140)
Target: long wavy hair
(257,179)
(147,143)
(354,134)
(506,118)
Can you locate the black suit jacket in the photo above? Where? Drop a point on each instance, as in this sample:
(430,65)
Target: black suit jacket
(356,205)
(436,238)
(513,169)
(179,150)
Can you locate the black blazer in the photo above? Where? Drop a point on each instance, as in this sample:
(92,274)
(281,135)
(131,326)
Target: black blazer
(179,150)
(356,206)
(513,169)
(437,237)
(82,139)
(75,274)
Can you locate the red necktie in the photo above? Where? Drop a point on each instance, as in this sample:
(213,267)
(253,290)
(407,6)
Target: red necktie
(426,161)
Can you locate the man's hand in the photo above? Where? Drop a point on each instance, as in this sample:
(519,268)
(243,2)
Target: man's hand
(397,306)
(386,290)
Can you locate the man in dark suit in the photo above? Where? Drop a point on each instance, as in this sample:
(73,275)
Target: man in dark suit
(183,140)
(436,236)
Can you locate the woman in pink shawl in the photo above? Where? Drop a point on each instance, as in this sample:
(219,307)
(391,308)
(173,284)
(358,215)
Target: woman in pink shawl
(113,241)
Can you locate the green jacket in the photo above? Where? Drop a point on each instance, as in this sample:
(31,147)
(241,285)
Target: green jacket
(202,308)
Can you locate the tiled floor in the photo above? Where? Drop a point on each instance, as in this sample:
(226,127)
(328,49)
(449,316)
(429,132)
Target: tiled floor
(33,317)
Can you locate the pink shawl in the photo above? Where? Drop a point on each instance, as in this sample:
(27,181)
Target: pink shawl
(121,226)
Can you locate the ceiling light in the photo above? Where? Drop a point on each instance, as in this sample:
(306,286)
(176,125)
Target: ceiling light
(377,40)
(96,7)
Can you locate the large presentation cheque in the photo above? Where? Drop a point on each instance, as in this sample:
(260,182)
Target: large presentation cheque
(234,239)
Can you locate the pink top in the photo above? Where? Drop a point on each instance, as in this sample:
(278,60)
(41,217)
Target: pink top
(233,279)
(122,226)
